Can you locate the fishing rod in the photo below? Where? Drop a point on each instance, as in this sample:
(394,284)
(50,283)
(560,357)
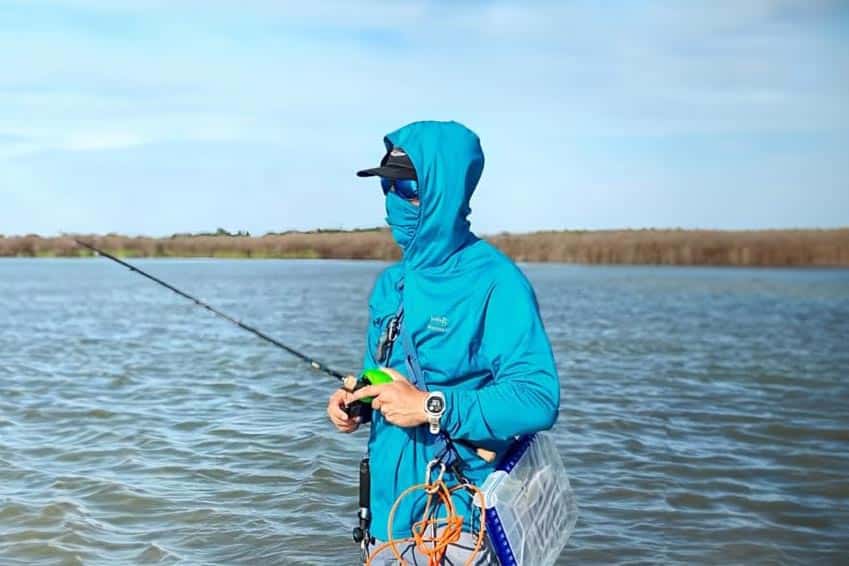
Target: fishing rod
(315,364)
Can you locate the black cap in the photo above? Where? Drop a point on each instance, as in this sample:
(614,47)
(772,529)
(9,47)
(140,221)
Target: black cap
(394,165)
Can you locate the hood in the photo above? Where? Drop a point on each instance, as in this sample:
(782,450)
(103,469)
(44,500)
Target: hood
(449,160)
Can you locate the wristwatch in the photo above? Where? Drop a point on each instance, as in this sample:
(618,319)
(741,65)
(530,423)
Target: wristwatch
(434,407)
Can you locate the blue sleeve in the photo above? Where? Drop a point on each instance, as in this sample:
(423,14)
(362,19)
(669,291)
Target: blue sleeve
(378,294)
(372,331)
(371,338)
(524,395)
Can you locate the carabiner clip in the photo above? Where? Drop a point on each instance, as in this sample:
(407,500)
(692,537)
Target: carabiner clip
(387,339)
(429,471)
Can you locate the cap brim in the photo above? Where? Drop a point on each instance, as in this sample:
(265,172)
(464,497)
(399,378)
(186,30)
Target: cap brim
(388,173)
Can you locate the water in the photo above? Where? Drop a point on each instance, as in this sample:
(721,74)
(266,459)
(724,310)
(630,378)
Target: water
(704,415)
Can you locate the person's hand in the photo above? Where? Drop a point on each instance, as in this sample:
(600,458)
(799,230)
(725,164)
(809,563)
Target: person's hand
(335,410)
(400,402)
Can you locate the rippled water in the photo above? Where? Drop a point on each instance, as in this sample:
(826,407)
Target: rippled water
(704,415)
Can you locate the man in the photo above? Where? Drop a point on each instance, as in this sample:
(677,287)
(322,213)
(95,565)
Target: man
(485,368)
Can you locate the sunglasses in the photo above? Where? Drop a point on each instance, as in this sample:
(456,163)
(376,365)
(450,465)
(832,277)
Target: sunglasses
(407,189)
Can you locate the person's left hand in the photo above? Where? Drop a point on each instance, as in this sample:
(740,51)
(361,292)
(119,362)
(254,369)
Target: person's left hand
(400,402)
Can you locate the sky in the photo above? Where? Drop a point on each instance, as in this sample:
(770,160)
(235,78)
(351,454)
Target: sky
(155,117)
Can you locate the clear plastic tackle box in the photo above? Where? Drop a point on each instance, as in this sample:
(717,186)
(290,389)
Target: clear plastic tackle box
(531,509)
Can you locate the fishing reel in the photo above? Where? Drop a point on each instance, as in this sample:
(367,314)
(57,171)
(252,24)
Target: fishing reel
(368,377)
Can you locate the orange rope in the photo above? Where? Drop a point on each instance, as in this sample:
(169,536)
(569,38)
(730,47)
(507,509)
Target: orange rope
(434,547)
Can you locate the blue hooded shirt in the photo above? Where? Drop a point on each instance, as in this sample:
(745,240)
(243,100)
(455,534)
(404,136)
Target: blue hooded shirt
(475,324)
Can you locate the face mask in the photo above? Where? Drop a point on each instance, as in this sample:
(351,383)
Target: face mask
(403,218)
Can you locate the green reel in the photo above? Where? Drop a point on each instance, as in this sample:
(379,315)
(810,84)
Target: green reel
(368,377)
(372,377)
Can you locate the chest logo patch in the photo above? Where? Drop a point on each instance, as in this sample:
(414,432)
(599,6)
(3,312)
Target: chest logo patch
(438,324)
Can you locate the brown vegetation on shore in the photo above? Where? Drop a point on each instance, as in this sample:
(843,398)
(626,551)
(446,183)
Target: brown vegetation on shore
(683,247)
(660,247)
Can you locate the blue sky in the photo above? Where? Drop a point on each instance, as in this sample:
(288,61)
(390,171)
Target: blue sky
(162,116)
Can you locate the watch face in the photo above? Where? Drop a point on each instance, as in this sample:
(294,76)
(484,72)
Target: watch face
(435,404)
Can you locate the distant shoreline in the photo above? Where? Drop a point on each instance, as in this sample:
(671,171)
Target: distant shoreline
(765,248)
